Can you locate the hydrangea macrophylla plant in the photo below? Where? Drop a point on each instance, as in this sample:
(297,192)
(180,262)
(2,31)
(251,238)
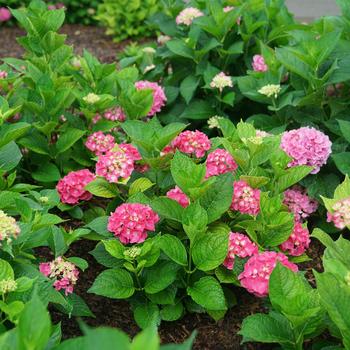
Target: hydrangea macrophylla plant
(298,241)
(63,272)
(307,146)
(245,199)
(177,195)
(239,245)
(9,229)
(131,222)
(187,15)
(259,64)
(299,203)
(159,98)
(99,143)
(258,269)
(220,81)
(219,162)
(71,188)
(340,215)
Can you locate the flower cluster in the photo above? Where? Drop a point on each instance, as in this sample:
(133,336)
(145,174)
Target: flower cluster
(91,98)
(71,188)
(100,143)
(131,151)
(307,146)
(213,122)
(130,222)
(3,74)
(159,97)
(9,229)
(259,64)
(245,199)
(270,90)
(187,16)
(5,14)
(219,162)
(241,246)
(7,286)
(113,114)
(299,203)
(257,271)
(64,272)
(220,81)
(340,215)
(177,195)
(163,39)
(298,241)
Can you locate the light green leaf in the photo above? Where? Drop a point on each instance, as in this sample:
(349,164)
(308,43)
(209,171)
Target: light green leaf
(174,249)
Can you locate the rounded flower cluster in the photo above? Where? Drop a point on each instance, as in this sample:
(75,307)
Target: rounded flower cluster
(159,97)
(5,14)
(131,151)
(257,271)
(3,74)
(100,143)
(299,203)
(241,246)
(177,195)
(187,16)
(220,162)
(298,241)
(307,146)
(91,98)
(64,272)
(340,215)
(130,222)
(270,90)
(9,229)
(220,81)
(259,64)
(245,199)
(71,188)
(192,142)
(115,114)
(7,286)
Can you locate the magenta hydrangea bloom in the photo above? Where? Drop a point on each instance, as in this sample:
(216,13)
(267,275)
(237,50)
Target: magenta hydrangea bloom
(340,215)
(239,245)
(245,199)
(159,98)
(177,195)
(220,162)
(131,221)
(5,14)
(299,203)
(298,241)
(3,74)
(307,146)
(259,64)
(63,272)
(257,271)
(71,188)
(115,114)
(187,16)
(99,143)
(192,142)
(131,151)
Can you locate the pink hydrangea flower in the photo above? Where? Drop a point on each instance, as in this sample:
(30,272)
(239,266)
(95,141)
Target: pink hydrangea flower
(63,272)
(257,271)
(299,203)
(259,64)
(340,215)
(220,81)
(220,162)
(307,146)
(5,14)
(115,114)
(99,143)
(159,97)
(3,74)
(239,245)
(187,16)
(298,241)
(192,142)
(228,9)
(71,188)
(245,199)
(131,221)
(131,151)
(177,195)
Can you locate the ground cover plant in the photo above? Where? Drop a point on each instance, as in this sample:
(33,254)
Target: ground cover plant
(185,202)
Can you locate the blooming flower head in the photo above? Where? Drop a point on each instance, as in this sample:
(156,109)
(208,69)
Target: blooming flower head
(220,162)
(192,142)
(259,64)
(131,151)
(71,188)
(340,215)
(3,74)
(148,68)
(91,98)
(187,16)
(115,114)
(298,241)
(9,229)
(307,146)
(5,14)
(257,271)
(63,272)
(270,90)
(241,246)
(220,81)
(100,143)
(245,199)
(8,286)
(213,122)
(299,203)
(149,50)
(163,39)
(177,195)
(262,133)
(159,97)
(131,221)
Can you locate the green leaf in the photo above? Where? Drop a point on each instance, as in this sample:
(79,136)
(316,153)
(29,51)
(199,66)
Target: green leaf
(68,139)
(146,315)
(79,262)
(11,132)
(188,87)
(102,188)
(174,249)
(140,185)
(291,176)
(194,220)
(10,156)
(172,312)
(343,190)
(148,336)
(167,208)
(342,161)
(345,129)
(6,272)
(114,248)
(178,47)
(47,173)
(198,110)
(113,283)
